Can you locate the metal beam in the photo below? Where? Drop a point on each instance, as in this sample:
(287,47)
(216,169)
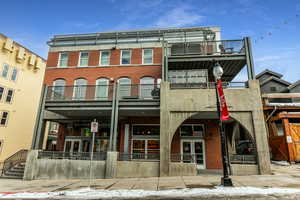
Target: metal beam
(116,120)
(249,59)
(112,118)
(40,127)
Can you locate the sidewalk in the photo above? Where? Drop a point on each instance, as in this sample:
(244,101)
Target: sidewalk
(284,177)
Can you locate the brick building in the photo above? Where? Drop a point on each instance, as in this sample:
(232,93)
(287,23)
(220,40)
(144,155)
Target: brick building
(153,95)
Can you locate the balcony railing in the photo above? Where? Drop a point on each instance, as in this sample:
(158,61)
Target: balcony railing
(139,156)
(221,47)
(102,92)
(71,155)
(208,85)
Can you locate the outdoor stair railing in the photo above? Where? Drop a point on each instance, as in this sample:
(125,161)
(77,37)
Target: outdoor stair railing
(17,158)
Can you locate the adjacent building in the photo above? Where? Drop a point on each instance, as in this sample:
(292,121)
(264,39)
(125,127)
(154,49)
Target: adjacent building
(281,101)
(152,92)
(21,80)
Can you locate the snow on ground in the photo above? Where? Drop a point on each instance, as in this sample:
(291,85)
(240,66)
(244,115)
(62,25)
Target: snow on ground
(88,193)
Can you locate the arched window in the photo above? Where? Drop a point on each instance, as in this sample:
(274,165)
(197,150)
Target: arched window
(101,89)
(146,87)
(58,89)
(79,89)
(124,87)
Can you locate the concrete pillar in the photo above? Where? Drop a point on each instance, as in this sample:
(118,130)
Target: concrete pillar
(30,167)
(260,133)
(164,130)
(111,164)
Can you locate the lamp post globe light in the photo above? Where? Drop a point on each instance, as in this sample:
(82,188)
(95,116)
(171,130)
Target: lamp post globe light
(225,180)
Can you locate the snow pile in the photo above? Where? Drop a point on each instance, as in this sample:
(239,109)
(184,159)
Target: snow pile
(88,193)
(281,163)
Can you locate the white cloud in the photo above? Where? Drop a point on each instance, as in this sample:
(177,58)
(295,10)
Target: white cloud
(178,17)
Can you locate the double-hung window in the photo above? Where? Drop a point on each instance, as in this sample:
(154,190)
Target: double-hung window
(125,57)
(5,69)
(84,59)
(102,89)
(14,74)
(104,58)
(1,92)
(63,59)
(4,118)
(147,56)
(9,95)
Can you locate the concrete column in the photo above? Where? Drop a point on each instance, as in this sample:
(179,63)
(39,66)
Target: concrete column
(260,132)
(111,164)
(164,130)
(30,167)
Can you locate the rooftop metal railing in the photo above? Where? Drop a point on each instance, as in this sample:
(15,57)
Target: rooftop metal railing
(208,85)
(71,155)
(220,47)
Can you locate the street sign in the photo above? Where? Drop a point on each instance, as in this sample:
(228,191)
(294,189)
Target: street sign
(94,127)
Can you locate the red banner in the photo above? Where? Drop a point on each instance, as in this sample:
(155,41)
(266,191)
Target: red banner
(223,105)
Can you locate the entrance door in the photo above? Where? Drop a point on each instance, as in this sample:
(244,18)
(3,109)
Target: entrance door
(193,152)
(72,146)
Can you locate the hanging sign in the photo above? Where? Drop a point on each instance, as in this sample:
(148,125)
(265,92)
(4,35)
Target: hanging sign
(223,105)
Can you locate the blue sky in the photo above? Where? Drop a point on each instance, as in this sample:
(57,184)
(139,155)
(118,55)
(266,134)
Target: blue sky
(273,25)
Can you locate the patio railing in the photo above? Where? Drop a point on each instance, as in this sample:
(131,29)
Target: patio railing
(71,155)
(208,48)
(243,159)
(139,156)
(102,92)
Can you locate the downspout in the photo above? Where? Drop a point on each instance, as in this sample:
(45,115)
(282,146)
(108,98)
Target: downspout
(275,108)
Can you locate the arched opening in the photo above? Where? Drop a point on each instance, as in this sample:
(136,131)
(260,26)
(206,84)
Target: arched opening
(101,92)
(241,145)
(124,87)
(58,89)
(197,141)
(146,87)
(80,86)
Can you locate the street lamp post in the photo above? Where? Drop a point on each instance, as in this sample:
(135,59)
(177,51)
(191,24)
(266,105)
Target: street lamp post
(225,180)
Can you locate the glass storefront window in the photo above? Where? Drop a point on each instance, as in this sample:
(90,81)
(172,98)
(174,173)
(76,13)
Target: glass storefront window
(145,130)
(192,130)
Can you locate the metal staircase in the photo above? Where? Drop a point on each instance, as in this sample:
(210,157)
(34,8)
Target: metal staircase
(14,166)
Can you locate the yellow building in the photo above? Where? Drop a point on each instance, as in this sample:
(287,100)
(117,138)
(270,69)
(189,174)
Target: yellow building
(21,80)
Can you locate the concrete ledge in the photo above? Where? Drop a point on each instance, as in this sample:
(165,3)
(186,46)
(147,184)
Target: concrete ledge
(183,169)
(134,169)
(243,170)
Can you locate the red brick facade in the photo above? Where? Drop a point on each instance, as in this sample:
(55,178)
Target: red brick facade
(135,71)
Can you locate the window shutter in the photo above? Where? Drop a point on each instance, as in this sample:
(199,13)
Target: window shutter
(21,55)
(8,45)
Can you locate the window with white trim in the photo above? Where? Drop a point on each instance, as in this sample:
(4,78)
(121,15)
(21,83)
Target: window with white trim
(63,59)
(4,118)
(146,87)
(5,69)
(58,89)
(9,95)
(102,85)
(14,74)
(80,86)
(1,92)
(125,57)
(192,130)
(104,58)
(84,59)
(147,56)
(124,87)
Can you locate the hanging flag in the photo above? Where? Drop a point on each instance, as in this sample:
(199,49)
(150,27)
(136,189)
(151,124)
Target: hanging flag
(223,105)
